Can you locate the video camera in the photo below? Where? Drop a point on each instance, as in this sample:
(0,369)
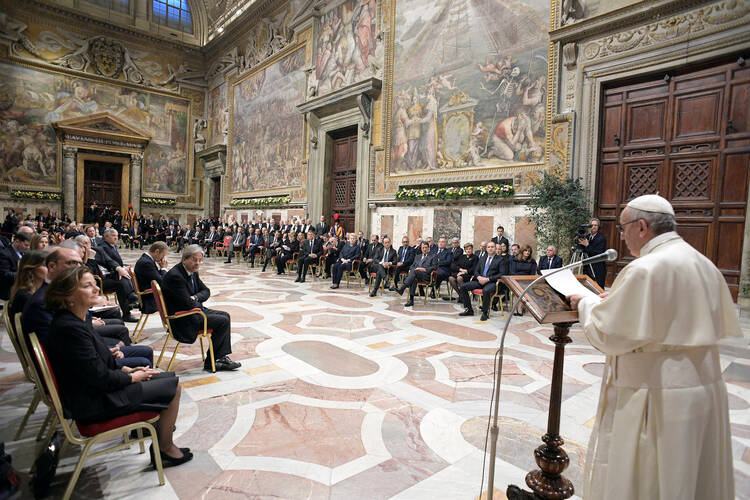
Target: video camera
(581,232)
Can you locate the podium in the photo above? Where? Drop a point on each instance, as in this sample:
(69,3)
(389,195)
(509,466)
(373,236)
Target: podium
(548,306)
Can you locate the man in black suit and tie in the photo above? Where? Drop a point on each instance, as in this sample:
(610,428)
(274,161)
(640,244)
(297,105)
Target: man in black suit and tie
(186,238)
(594,244)
(237,243)
(118,276)
(368,256)
(93,239)
(254,243)
(551,260)
(384,265)
(486,273)
(420,270)
(404,262)
(445,259)
(151,266)
(9,258)
(499,238)
(322,228)
(209,239)
(309,253)
(183,290)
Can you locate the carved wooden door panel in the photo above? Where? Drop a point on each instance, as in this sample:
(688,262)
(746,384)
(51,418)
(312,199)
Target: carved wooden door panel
(344,180)
(686,137)
(102,184)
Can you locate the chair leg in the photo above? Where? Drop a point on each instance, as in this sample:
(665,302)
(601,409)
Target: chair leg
(211,351)
(139,327)
(32,408)
(77,471)
(203,356)
(48,421)
(157,456)
(174,356)
(164,347)
(139,432)
(51,426)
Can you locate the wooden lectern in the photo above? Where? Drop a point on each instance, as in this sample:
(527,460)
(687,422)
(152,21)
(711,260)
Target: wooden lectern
(548,306)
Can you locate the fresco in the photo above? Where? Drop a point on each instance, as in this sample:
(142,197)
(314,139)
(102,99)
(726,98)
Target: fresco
(469,84)
(346,45)
(267,129)
(217,119)
(30,100)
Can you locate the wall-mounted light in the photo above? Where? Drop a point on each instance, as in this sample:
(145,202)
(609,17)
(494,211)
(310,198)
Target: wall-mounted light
(221,28)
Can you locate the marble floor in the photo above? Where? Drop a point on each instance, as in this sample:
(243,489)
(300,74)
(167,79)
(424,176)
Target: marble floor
(343,396)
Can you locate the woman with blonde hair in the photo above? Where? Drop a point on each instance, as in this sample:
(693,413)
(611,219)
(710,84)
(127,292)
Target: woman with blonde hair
(32,271)
(39,242)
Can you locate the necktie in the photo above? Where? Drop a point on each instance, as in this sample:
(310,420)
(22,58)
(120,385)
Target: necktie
(487,266)
(192,282)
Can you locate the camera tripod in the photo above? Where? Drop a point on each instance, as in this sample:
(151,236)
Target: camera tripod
(577,255)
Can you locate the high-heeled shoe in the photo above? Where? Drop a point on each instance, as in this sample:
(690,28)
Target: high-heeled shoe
(167,461)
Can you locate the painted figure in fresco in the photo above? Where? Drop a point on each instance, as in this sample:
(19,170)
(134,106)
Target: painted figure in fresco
(365,14)
(429,138)
(474,150)
(76,104)
(414,131)
(513,134)
(400,120)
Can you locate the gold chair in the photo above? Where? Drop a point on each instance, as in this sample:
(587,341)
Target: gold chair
(291,263)
(138,331)
(108,296)
(499,288)
(421,285)
(91,433)
(165,320)
(354,270)
(28,370)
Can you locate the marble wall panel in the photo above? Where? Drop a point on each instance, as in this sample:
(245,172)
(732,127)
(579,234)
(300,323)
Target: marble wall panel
(525,233)
(447,223)
(386,226)
(415,227)
(484,228)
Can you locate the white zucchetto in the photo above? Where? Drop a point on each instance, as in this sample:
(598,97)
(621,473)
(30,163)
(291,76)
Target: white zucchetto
(652,203)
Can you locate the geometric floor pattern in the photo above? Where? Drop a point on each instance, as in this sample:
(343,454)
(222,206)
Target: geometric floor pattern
(343,396)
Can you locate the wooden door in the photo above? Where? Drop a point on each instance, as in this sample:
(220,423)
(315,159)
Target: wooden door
(686,137)
(344,179)
(102,184)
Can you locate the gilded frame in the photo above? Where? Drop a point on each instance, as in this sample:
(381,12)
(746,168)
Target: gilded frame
(393,180)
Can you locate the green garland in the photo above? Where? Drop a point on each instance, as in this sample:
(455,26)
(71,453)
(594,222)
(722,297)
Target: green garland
(35,195)
(261,202)
(454,193)
(159,202)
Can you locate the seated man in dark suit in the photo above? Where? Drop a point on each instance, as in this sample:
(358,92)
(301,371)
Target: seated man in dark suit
(237,243)
(309,253)
(404,262)
(151,266)
(183,290)
(254,246)
(445,259)
(117,277)
(369,254)
(346,259)
(420,271)
(9,258)
(549,261)
(384,265)
(272,244)
(486,273)
(209,238)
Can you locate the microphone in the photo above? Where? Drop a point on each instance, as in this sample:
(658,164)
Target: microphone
(608,256)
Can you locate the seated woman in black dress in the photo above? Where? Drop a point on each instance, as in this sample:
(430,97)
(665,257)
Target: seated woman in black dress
(32,271)
(92,387)
(524,264)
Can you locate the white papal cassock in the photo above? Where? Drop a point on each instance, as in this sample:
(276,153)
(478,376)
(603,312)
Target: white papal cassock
(662,426)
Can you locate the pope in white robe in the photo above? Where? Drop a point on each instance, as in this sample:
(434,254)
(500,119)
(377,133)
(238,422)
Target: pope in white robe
(662,425)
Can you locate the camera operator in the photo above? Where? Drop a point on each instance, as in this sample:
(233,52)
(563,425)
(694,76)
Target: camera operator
(595,243)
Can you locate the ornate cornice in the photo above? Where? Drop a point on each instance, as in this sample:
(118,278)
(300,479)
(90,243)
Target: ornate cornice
(619,19)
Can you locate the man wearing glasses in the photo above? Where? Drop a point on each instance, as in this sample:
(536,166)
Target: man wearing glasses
(662,426)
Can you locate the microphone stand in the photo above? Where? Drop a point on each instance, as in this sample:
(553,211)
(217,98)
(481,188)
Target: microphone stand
(494,430)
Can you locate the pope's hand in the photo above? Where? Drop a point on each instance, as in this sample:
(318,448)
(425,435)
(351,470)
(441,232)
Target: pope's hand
(574,300)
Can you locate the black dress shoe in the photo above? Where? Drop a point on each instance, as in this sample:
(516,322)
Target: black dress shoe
(400,291)
(410,303)
(130,319)
(227,262)
(432,294)
(467,312)
(374,294)
(448,298)
(302,280)
(485,316)
(297,280)
(334,286)
(167,461)
(223,364)
(393,289)
(517,314)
